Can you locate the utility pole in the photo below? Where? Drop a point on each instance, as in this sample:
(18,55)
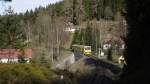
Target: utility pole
(100,49)
(53,27)
(57,41)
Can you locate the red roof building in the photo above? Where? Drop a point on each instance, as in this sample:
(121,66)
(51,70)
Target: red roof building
(13,54)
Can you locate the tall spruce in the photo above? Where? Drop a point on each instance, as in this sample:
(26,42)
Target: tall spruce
(74,16)
(100,9)
(11,32)
(88,9)
(88,35)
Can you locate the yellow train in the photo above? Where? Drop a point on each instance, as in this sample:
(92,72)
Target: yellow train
(86,50)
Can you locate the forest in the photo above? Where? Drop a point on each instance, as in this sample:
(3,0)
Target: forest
(43,30)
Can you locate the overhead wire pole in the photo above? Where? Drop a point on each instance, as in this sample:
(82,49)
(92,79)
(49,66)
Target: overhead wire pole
(97,36)
(53,27)
(57,36)
(100,40)
(95,31)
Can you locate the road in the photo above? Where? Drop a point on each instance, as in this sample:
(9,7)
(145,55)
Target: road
(95,71)
(93,61)
(90,70)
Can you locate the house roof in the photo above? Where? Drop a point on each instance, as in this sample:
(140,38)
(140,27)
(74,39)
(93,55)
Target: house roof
(13,53)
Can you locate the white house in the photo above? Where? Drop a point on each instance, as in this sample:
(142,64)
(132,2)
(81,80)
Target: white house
(72,30)
(106,46)
(12,55)
(122,46)
(3,60)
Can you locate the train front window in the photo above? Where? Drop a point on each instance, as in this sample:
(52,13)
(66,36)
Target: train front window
(87,48)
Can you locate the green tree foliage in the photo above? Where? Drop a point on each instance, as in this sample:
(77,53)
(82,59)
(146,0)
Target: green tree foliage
(100,9)
(74,17)
(59,9)
(88,36)
(75,38)
(11,33)
(88,9)
(25,74)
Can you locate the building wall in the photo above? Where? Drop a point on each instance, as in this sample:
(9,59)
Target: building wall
(12,60)
(4,60)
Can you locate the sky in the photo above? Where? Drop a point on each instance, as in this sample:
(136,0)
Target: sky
(20,6)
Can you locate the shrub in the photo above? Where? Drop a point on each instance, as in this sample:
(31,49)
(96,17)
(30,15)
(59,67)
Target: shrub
(24,74)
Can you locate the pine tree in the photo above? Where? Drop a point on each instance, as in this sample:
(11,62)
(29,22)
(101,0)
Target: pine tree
(88,35)
(100,9)
(75,38)
(11,34)
(74,16)
(88,9)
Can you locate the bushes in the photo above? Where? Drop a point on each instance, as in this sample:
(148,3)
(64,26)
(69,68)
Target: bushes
(24,74)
